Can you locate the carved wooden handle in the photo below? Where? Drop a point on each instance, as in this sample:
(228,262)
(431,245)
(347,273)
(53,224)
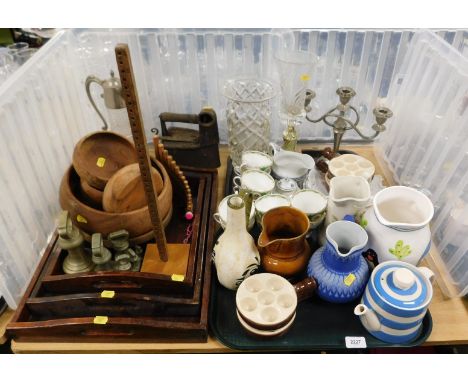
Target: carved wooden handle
(305,288)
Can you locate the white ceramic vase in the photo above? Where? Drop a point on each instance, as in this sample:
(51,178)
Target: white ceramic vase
(398,224)
(235,254)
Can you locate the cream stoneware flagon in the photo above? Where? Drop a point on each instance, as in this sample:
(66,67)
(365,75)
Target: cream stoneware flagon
(235,255)
(398,224)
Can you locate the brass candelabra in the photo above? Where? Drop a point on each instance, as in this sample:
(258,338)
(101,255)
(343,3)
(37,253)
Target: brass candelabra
(336,118)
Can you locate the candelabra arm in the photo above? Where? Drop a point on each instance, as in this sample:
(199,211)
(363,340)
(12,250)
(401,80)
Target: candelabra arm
(322,117)
(365,137)
(356,114)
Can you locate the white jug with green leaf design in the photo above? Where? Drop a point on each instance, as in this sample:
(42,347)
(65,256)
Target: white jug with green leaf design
(398,224)
(349,195)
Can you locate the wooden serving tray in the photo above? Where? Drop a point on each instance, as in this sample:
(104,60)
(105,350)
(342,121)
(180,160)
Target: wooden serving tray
(55,281)
(127,300)
(143,312)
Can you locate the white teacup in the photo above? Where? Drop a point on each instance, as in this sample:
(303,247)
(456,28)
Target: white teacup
(312,203)
(252,184)
(221,215)
(254,160)
(267,202)
(254,181)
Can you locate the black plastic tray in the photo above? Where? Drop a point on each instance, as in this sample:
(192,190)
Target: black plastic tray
(3,305)
(319,325)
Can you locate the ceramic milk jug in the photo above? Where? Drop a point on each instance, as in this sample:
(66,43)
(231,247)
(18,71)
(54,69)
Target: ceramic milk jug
(235,255)
(395,301)
(349,195)
(398,224)
(282,242)
(339,267)
(290,164)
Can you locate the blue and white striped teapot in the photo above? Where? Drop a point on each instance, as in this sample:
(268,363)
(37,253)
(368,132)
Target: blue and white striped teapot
(395,301)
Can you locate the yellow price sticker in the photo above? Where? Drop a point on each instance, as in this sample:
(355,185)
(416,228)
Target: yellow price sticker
(101,162)
(176,277)
(305,77)
(107,294)
(81,219)
(348,280)
(100,320)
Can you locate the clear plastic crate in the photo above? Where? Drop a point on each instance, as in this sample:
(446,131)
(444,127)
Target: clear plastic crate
(426,147)
(44,111)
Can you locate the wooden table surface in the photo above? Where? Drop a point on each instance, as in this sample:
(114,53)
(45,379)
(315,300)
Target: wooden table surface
(449,315)
(5,318)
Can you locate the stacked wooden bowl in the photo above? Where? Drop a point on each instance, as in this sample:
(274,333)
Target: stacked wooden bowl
(103,190)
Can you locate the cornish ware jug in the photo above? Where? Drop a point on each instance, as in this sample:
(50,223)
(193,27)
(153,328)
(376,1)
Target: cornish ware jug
(398,224)
(235,255)
(282,242)
(339,267)
(349,195)
(395,301)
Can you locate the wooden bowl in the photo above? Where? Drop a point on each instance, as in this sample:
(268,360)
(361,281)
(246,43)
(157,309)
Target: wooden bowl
(91,220)
(99,155)
(90,195)
(146,237)
(124,191)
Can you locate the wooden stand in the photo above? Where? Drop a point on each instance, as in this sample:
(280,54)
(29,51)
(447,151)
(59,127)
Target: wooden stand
(176,267)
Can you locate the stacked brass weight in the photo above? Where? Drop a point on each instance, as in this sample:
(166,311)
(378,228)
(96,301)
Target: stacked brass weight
(125,257)
(101,255)
(71,240)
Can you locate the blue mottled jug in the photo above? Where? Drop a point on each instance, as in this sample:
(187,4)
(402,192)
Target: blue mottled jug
(339,268)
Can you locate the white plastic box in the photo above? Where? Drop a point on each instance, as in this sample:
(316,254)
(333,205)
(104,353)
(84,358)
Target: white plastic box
(427,147)
(44,111)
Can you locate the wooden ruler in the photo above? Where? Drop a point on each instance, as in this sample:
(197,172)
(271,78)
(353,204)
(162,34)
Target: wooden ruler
(130,95)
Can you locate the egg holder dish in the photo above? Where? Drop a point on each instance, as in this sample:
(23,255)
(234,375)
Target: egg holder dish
(266,303)
(350,164)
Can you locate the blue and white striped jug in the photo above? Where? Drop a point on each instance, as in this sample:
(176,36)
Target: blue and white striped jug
(395,301)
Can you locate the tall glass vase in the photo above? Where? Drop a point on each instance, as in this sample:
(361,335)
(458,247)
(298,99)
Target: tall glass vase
(295,69)
(248,114)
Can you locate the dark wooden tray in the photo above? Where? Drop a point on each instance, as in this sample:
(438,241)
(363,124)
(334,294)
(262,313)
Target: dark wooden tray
(55,281)
(44,304)
(319,325)
(132,321)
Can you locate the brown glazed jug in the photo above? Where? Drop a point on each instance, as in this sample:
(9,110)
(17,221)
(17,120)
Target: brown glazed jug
(282,244)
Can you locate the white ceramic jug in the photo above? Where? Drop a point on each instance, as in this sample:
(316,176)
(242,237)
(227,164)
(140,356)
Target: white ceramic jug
(349,195)
(398,224)
(290,164)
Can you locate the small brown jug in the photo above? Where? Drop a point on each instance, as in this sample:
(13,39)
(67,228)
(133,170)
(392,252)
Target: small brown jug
(282,244)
